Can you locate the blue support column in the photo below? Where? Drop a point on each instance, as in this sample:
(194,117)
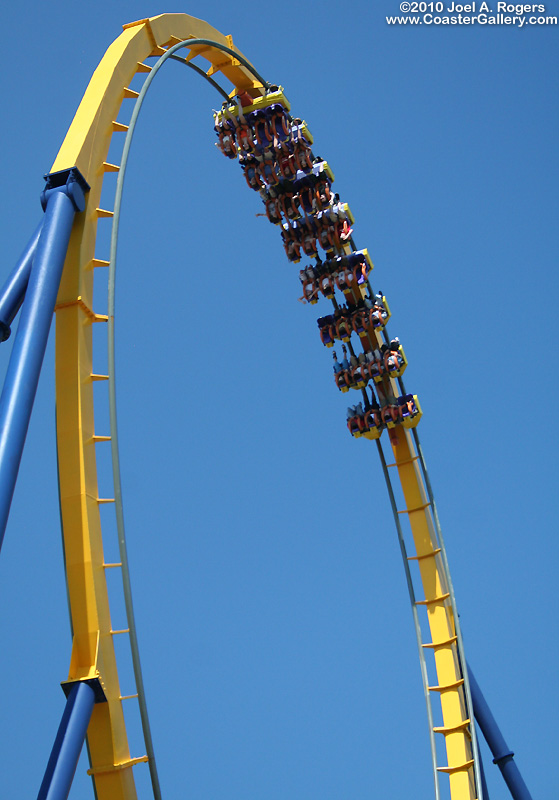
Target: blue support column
(13,291)
(502,754)
(63,196)
(68,743)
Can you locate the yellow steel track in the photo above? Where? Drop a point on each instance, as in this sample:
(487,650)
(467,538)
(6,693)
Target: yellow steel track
(444,645)
(86,147)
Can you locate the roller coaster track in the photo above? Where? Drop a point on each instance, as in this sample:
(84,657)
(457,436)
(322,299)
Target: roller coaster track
(99,118)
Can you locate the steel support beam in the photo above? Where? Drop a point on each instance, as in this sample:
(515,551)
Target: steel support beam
(68,744)
(13,291)
(502,754)
(63,196)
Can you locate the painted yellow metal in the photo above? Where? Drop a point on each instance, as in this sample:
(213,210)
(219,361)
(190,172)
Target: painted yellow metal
(110,768)
(269,100)
(86,146)
(347,212)
(412,422)
(324,167)
(372,433)
(441,622)
(367,259)
(305,132)
(90,131)
(259,103)
(92,649)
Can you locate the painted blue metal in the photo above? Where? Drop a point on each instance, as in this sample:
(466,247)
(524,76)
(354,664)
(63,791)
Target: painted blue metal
(68,744)
(63,196)
(502,754)
(13,291)
(69,181)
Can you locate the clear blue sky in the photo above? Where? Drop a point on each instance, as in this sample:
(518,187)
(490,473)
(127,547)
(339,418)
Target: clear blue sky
(277,641)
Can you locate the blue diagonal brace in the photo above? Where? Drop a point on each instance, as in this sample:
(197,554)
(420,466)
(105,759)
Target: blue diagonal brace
(502,754)
(69,741)
(13,291)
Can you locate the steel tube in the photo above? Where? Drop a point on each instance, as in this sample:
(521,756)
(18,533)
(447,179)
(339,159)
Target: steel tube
(68,744)
(30,343)
(13,291)
(502,754)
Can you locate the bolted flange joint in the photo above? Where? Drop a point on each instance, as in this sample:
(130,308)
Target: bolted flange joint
(69,181)
(93,683)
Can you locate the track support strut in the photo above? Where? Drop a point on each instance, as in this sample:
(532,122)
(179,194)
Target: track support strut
(502,754)
(62,197)
(68,744)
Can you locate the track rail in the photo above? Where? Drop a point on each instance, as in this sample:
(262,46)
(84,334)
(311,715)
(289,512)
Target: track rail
(86,147)
(346,272)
